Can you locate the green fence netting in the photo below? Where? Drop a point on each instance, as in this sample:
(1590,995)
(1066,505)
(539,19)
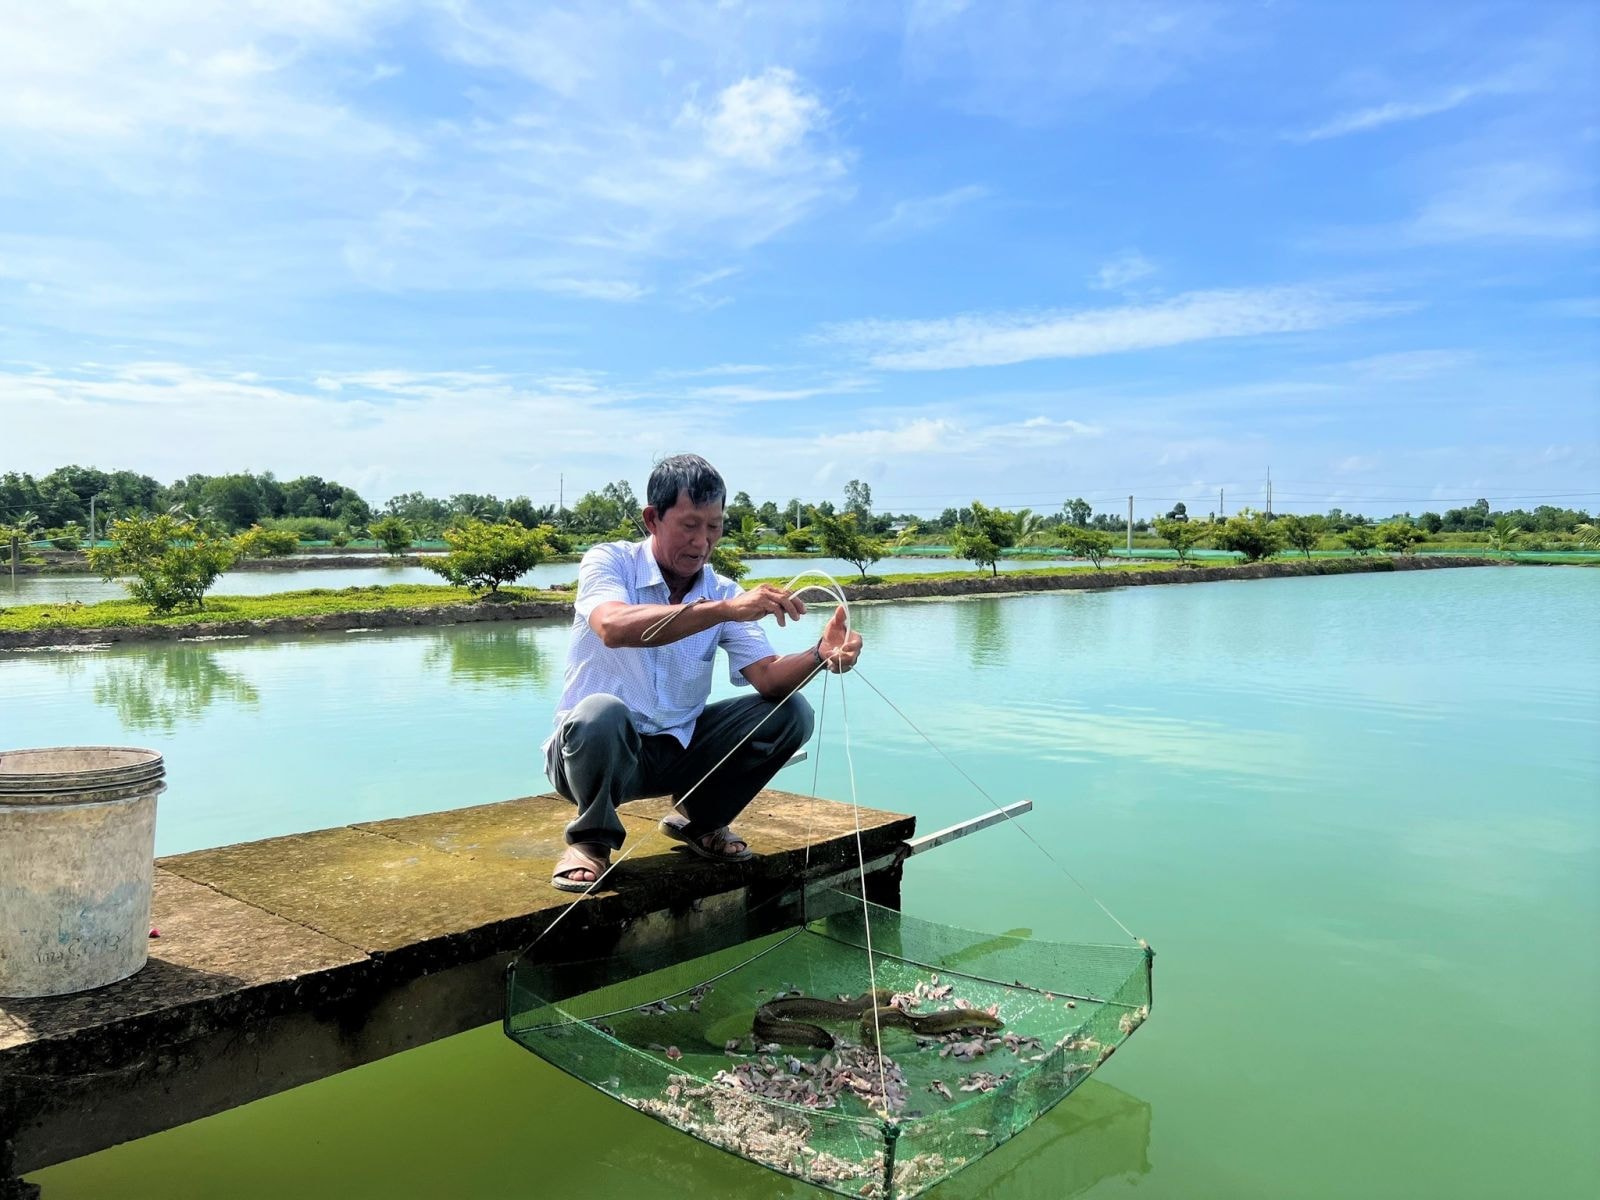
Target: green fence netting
(676,1041)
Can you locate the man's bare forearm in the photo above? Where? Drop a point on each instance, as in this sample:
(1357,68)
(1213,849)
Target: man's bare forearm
(624,625)
(776,677)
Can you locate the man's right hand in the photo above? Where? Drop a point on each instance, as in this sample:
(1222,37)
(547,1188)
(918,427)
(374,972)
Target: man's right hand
(764,600)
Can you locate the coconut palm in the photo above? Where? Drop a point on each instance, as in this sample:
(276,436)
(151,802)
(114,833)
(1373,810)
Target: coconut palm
(1503,533)
(1587,536)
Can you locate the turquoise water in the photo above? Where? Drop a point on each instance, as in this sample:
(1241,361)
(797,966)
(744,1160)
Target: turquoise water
(1357,817)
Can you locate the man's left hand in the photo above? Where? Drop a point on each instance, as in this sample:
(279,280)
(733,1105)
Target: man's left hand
(840,646)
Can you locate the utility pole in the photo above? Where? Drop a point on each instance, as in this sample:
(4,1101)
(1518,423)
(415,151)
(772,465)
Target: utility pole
(1269,493)
(561,498)
(92,500)
(1222,510)
(1130,525)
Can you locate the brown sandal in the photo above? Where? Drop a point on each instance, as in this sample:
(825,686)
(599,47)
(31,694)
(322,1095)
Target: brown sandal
(713,845)
(578,859)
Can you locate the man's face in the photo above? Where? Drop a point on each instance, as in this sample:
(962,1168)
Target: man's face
(685,534)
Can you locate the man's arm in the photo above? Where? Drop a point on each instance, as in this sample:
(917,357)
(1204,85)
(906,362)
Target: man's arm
(618,624)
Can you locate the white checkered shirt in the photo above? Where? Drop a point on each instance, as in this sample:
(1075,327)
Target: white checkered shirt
(665,687)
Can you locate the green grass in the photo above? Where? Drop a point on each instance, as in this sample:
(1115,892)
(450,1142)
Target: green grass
(315,602)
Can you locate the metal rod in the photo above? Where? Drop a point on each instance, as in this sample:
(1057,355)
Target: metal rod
(950,834)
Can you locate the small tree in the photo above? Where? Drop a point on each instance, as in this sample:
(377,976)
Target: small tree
(748,536)
(1399,537)
(484,556)
(68,537)
(841,539)
(257,542)
(992,530)
(1504,534)
(165,562)
(725,561)
(1359,538)
(340,538)
(1252,534)
(1303,533)
(800,541)
(1093,544)
(393,534)
(1178,532)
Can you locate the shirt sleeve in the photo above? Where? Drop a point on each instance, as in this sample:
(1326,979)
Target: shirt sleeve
(601,579)
(745,641)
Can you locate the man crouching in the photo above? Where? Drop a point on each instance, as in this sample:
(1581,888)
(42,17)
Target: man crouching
(633,719)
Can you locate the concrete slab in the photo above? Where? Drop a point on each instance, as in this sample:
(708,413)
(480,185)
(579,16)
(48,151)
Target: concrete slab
(386,886)
(210,946)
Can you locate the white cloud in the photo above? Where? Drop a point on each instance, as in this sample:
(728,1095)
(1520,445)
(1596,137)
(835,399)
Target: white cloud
(1118,273)
(759,121)
(1388,114)
(1035,63)
(1512,199)
(1412,364)
(739,393)
(943,435)
(926,212)
(1002,338)
(114,74)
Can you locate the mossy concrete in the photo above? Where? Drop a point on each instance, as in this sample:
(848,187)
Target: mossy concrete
(286,960)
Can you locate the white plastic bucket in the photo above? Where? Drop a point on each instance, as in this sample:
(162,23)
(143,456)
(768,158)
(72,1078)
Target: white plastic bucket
(77,862)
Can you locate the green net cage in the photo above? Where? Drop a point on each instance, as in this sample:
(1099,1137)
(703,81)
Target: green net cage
(676,1041)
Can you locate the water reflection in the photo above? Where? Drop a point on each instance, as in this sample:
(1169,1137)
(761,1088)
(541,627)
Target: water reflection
(1098,1134)
(982,631)
(490,655)
(176,686)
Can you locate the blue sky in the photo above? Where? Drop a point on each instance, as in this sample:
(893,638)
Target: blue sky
(1012,251)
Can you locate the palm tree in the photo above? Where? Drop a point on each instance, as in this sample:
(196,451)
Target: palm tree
(1588,536)
(1503,533)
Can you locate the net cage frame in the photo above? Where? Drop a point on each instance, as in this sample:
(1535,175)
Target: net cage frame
(587,1016)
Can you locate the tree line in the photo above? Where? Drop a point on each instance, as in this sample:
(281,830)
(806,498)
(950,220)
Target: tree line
(56,507)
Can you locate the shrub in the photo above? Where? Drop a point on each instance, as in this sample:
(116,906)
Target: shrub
(257,542)
(748,536)
(801,541)
(1303,533)
(68,537)
(1181,535)
(484,556)
(1359,538)
(725,561)
(1399,537)
(340,538)
(171,562)
(393,534)
(1250,534)
(309,529)
(1093,544)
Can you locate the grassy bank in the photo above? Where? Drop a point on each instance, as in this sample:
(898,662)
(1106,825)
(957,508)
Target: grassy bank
(324,610)
(316,602)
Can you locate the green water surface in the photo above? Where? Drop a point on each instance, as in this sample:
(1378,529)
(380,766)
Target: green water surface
(1357,817)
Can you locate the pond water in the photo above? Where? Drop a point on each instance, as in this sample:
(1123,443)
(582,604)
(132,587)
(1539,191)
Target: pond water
(1357,817)
(44,589)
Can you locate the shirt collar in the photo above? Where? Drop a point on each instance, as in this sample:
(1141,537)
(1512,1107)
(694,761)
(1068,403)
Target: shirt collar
(647,571)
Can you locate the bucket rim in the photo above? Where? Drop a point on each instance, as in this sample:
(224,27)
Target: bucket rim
(133,764)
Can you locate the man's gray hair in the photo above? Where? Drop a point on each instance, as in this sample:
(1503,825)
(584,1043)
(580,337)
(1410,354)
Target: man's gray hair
(684,473)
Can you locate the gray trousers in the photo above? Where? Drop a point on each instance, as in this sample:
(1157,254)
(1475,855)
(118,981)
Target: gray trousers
(598,760)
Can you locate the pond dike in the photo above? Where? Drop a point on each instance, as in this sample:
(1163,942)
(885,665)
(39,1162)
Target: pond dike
(1008,583)
(287,960)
